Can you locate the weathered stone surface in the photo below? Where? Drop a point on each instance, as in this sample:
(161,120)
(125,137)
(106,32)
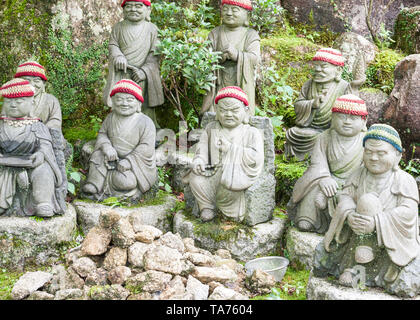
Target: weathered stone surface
(115,257)
(97,278)
(174,290)
(375,100)
(264,239)
(136,253)
(69,294)
(146,233)
(223,293)
(119,275)
(109,292)
(162,258)
(150,281)
(402,108)
(407,284)
(108,218)
(96,241)
(322,289)
(199,290)
(27,240)
(261,282)
(72,280)
(83,266)
(29,283)
(153,215)
(40,295)
(173,241)
(223,253)
(200,259)
(122,233)
(219,274)
(407,30)
(301,246)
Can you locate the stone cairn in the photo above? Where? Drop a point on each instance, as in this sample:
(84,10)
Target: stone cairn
(122,260)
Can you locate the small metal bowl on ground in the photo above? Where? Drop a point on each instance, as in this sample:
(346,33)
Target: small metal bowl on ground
(276,266)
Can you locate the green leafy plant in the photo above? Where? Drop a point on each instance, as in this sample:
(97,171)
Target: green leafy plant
(74,177)
(164,178)
(266,16)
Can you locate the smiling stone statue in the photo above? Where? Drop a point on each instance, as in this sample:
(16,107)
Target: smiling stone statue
(123,163)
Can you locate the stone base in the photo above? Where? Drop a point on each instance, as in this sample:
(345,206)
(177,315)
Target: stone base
(153,215)
(323,289)
(26,240)
(301,246)
(247,244)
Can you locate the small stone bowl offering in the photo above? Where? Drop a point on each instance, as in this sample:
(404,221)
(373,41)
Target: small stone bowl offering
(276,266)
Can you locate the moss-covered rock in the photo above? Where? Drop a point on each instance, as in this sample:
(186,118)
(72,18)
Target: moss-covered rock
(407,30)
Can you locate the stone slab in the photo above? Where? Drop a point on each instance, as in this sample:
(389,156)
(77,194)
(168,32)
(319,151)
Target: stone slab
(153,215)
(301,246)
(323,289)
(262,240)
(24,239)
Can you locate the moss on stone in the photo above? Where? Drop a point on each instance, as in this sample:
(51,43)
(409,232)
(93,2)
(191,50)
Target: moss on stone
(406,30)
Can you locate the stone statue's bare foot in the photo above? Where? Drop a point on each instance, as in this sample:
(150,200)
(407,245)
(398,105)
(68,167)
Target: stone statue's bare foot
(89,188)
(207,215)
(392,273)
(44,210)
(346,278)
(305,225)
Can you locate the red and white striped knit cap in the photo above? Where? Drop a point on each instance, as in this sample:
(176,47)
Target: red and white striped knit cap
(17,88)
(146,2)
(128,86)
(246,4)
(350,104)
(232,92)
(31,68)
(330,55)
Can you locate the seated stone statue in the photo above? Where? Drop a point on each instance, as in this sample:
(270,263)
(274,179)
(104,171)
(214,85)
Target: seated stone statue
(30,178)
(229,158)
(240,46)
(376,221)
(313,106)
(338,151)
(123,163)
(131,55)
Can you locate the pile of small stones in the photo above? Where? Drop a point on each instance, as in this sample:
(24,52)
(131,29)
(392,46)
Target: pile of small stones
(121,259)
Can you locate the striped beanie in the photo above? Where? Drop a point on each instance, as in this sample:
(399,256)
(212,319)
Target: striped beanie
(330,55)
(128,86)
(31,68)
(146,2)
(232,92)
(246,4)
(17,88)
(350,104)
(386,133)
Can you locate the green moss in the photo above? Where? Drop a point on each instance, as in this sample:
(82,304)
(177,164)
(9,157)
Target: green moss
(7,281)
(406,27)
(280,213)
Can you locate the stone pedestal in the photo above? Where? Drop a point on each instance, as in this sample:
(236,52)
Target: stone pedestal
(245,243)
(36,241)
(323,289)
(301,246)
(156,215)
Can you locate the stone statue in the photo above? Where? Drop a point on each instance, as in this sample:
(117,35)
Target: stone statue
(131,55)
(355,60)
(376,222)
(240,46)
(338,151)
(123,163)
(313,106)
(30,179)
(229,158)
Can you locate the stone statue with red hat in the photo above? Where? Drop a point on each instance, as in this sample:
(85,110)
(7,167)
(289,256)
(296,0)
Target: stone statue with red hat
(131,55)
(123,163)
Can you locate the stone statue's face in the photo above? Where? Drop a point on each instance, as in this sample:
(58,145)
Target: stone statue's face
(37,82)
(135,11)
(346,124)
(125,104)
(230,112)
(18,107)
(234,16)
(379,156)
(324,71)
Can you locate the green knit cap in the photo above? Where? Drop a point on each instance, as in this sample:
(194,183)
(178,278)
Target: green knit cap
(386,133)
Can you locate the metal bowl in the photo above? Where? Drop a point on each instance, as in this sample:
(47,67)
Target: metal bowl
(276,266)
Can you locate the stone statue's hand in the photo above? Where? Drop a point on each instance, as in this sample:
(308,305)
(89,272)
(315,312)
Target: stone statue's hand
(37,159)
(121,63)
(198,166)
(110,153)
(328,186)
(232,53)
(123,165)
(223,144)
(138,75)
(361,224)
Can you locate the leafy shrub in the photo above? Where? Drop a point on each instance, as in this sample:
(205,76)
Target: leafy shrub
(266,16)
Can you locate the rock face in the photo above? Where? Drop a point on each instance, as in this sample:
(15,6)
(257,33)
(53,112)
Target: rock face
(29,283)
(375,100)
(407,30)
(402,108)
(341,15)
(24,240)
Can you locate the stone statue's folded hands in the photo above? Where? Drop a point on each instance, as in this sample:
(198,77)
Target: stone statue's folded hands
(231,53)
(121,63)
(198,166)
(328,186)
(123,165)
(110,153)
(361,224)
(37,159)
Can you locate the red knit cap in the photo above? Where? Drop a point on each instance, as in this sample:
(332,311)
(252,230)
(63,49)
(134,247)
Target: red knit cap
(31,68)
(128,86)
(350,104)
(330,55)
(232,92)
(246,4)
(17,88)
(146,2)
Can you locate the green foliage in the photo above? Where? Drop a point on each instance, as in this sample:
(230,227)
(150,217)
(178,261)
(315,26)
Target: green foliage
(7,281)
(36,218)
(267,16)
(405,27)
(385,37)
(413,165)
(164,174)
